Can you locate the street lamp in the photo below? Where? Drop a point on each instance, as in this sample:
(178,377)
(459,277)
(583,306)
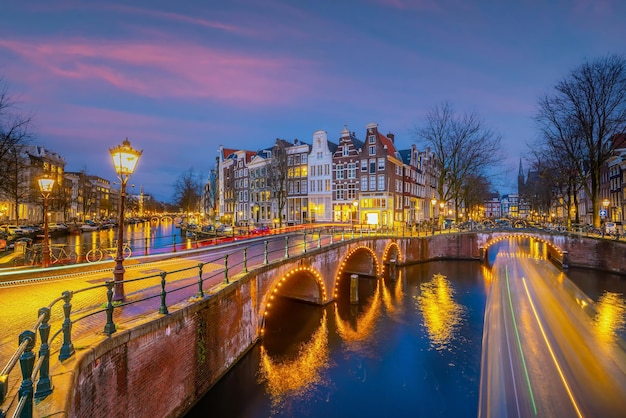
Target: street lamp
(355,206)
(125,160)
(45,186)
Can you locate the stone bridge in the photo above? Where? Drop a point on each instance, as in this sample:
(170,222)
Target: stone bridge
(182,354)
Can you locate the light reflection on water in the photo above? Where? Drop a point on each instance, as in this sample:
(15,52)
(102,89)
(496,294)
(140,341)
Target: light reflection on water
(140,236)
(611,316)
(443,316)
(293,378)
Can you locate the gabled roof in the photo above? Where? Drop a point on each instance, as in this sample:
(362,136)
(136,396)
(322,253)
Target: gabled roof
(228,152)
(332,147)
(391,149)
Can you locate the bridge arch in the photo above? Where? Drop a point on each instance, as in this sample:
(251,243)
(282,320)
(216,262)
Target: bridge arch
(302,283)
(391,252)
(495,238)
(358,260)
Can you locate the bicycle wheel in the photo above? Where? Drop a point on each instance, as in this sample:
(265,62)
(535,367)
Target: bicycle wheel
(126,252)
(94,255)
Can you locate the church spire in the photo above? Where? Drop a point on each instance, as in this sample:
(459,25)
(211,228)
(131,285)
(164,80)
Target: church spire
(521,170)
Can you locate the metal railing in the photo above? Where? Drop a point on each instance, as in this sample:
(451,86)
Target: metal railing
(197,281)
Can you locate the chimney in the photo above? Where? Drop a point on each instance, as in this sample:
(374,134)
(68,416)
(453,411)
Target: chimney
(392,137)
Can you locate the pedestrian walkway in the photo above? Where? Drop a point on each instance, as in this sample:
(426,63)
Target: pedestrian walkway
(21,303)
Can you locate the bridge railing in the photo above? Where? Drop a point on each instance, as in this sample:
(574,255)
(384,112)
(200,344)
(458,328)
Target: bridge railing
(77,313)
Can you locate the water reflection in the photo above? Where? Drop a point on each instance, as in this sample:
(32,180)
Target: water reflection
(610,317)
(293,378)
(442,314)
(144,237)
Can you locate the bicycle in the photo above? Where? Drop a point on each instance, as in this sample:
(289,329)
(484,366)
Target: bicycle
(97,254)
(60,255)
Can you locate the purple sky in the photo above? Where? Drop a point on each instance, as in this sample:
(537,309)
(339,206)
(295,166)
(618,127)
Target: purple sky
(179,78)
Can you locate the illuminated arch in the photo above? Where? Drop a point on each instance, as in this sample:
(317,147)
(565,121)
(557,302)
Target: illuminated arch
(494,240)
(386,254)
(347,257)
(269,297)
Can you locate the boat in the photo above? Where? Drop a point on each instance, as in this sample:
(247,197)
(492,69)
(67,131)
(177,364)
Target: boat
(88,227)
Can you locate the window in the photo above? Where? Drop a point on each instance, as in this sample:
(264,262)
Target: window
(297,160)
(339,192)
(345,151)
(290,160)
(320,155)
(305,169)
(364,165)
(326,169)
(351,170)
(339,172)
(312,185)
(351,191)
(381,164)
(327,183)
(372,150)
(305,158)
(372,165)
(364,183)
(303,189)
(381,182)
(372,139)
(319,185)
(372,182)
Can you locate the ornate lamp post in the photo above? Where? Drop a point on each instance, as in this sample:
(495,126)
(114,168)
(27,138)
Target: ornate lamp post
(45,186)
(125,160)
(355,208)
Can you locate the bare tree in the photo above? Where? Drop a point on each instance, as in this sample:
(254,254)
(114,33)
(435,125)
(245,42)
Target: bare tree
(579,119)
(14,136)
(475,191)
(277,176)
(188,191)
(462,146)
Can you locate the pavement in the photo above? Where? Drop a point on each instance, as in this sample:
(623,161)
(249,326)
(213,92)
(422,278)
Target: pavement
(24,291)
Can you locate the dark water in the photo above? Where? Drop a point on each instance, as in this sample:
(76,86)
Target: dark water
(411,347)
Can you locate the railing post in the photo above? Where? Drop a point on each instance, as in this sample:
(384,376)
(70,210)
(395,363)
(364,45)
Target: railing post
(44,384)
(67,349)
(145,246)
(27,362)
(353,234)
(287,247)
(319,239)
(174,245)
(361,232)
(304,242)
(109,327)
(245,259)
(332,236)
(226,268)
(265,253)
(163,308)
(343,234)
(200,293)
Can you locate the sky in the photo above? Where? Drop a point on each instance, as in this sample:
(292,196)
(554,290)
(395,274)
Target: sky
(181,78)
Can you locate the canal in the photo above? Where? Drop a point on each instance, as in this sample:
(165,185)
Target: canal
(411,347)
(143,238)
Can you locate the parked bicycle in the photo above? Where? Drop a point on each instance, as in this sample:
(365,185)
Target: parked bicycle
(61,254)
(97,254)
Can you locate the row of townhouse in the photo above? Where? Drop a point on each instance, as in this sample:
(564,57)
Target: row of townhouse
(358,181)
(76,196)
(612,187)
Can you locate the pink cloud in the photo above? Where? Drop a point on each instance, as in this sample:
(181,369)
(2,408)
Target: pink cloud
(166,69)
